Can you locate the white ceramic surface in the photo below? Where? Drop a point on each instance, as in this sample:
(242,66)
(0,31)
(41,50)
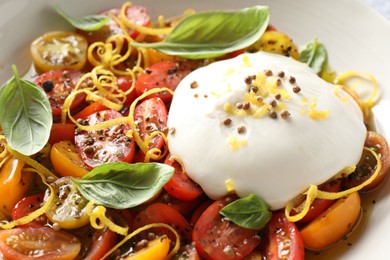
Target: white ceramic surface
(356,37)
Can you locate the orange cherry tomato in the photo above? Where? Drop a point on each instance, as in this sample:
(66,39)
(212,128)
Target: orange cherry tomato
(59,50)
(333,224)
(66,160)
(14,185)
(38,243)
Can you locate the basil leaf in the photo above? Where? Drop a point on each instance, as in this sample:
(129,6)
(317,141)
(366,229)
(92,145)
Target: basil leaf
(122,185)
(25,115)
(249,212)
(213,33)
(315,55)
(85,23)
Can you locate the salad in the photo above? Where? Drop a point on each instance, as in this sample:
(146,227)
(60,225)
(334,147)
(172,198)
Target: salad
(104,154)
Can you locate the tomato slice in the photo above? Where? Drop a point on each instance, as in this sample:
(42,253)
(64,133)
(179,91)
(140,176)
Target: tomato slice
(27,205)
(320,205)
(367,165)
(68,207)
(106,145)
(333,224)
(285,240)
(66,160)
(58,84)
(38,243)
(180,186)
(162,213)
(14,185)
(151,115)
(156,249)
(165,74)
(217,238)
(59,50)
(89,110)
(61,132)
(135,14)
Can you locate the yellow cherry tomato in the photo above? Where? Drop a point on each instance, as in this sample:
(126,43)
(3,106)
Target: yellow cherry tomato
(68,209)
(59,50)
(333,224)
(14,185)
(66,160)
(157,249)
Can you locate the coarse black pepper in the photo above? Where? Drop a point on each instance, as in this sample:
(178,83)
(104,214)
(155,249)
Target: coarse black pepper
(241,129)
(48,85)
(227,121)
(281,74)
(273,103)
(194,84)
(292,80)
(273,114)
(285,114)
(278,96)
(268,73)
(296,89)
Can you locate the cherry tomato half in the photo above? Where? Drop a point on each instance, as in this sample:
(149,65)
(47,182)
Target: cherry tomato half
(156,249)
(180,186)
(367,165)
(59,50)
(166,74)
(106,145)
(58,84)
(61,132)
(333,224)
(151,115)
(96,242)
(38,243)
(27,205)
(285,240)
(217,238)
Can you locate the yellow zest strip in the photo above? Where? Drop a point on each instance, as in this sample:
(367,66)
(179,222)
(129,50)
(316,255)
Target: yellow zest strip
(35,214)
(343,78)
(4,160)
(146,227)
(99,220)
(314,193)
(141,29)
(33,163)
(4,152)
(143,145)
(174,158)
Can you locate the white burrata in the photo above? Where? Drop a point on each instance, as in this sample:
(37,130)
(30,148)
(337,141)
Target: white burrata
(264,124)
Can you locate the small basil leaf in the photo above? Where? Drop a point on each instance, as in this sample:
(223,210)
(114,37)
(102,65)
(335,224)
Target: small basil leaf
(85,23)
(315,55)
(213,33)
(249,212)
(25,115)
(122,185)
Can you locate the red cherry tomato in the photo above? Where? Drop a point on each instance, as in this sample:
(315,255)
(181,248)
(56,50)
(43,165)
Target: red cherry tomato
(58,84)
(151,115)
(61,132)
(90,109)
(185,207)
(125,83)
(285,240)
(320,205)
(217,238)
(107,145)
(27,205)
(165,74)
(199,211)
(162,213)
(100,241)
(135,14)
(38,243)
(180,186)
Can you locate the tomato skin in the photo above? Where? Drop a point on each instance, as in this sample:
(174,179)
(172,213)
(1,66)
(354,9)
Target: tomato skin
(38,243)
(58,84)
(102,240)
(165,74)
(333,224)
(180,186)
(66,160)
(217,238)
(135,14)
(157,249)
(14,185)
(125,83)
(285,240)
(27,205)
(59,50)
(151,115)
(162,213)
(365,167)
(89,110)
(61,132)
(106,145)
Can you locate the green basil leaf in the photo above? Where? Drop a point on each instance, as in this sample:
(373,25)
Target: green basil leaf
(85,23)
(249,212)
(123,185)
(315,55)
(213,33)
(25,115)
